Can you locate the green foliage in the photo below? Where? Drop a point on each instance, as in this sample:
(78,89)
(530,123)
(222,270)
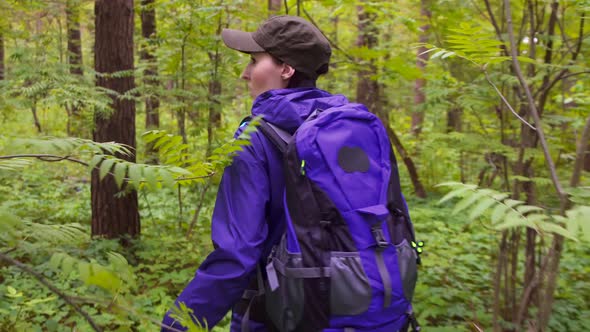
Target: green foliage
(45,207)
(186,318)
(472,43)
(505,213)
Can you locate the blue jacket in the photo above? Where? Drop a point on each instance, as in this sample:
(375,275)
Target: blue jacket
(248,218)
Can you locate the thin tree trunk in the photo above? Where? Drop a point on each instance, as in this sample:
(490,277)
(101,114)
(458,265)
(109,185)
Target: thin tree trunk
(582,155)
(418,187)
(74,56)
(368,93)
(420,83)
(36,117)
(214,109)
(214,89)
(114,215)
(454,119)
(2,70)
(334,37)
(74,37)
(554,254)
(500,267)
(152,103)
(181,114)
(367,90)
(274,6)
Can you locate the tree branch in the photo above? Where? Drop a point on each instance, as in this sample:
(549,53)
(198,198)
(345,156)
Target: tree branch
(45,157)
(52,288)
(198,210)
(506,101)
(545,88)
(348,56)
(496,27)
(533,108)
(54,158)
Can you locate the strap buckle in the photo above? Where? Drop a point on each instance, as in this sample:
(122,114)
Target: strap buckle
(379,237)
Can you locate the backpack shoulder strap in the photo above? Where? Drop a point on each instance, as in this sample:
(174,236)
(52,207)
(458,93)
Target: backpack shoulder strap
(277,136)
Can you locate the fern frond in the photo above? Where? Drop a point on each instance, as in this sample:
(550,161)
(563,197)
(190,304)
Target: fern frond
(14,229)
(185,316)
(506,213)
(67,146)
(115,277)
(13,164)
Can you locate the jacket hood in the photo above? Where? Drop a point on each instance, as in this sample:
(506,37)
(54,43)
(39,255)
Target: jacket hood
(288,108)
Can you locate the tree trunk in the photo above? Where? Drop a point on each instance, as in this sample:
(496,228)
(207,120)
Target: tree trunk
(1,55)
(114,215)
(274,6)
(152,103)
(36,117)
(215,89)
(420,83)
(367,89)
(587,159)
(368,93)
(418,187)
(181,114)
(74,37)
(454,119)
(74,56)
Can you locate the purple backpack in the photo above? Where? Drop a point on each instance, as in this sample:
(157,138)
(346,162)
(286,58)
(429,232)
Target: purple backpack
(348,259)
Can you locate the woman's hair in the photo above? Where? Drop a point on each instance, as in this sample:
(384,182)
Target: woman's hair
(299,79)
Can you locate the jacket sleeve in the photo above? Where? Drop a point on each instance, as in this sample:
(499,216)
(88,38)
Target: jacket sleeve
(238,231)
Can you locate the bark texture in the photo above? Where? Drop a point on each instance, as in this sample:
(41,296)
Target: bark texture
(114,215)
(420,83)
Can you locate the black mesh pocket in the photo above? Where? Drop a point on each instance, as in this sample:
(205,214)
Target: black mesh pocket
(284,304)
(408,267)
(350,291)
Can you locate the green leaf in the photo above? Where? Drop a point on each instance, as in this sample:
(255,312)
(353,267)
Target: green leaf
(482,207)
(120,170)
(500,196)
(151,177)
(578,221)
(105,167)
(67,265)
(526,59)
(12,292)
(556,229)
(456,193)
(438,54)
(469,200)
(512,203)
(524,209)
(84,269)
(167,178)
(94,161)
(103,278)
(55,260)
(135,173)
(514,220)
(448,54)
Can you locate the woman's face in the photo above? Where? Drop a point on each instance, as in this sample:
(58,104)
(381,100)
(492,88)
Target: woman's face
(263,74)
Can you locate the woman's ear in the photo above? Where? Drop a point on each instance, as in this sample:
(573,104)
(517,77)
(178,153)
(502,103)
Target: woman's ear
(287,72)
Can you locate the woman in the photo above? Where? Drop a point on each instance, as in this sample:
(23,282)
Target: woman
(288,54)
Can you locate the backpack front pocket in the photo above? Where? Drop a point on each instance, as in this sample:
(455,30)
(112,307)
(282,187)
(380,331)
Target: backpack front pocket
(408,268)
(350,291)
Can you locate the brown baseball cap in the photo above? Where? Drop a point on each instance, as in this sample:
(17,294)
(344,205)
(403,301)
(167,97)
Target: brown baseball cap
(290,39)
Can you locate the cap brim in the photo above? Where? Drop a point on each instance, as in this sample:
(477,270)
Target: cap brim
(240,40)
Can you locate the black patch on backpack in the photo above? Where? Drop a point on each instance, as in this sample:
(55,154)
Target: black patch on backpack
(353,159)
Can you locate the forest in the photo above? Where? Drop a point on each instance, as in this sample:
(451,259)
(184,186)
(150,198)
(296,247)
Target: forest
(117,119)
